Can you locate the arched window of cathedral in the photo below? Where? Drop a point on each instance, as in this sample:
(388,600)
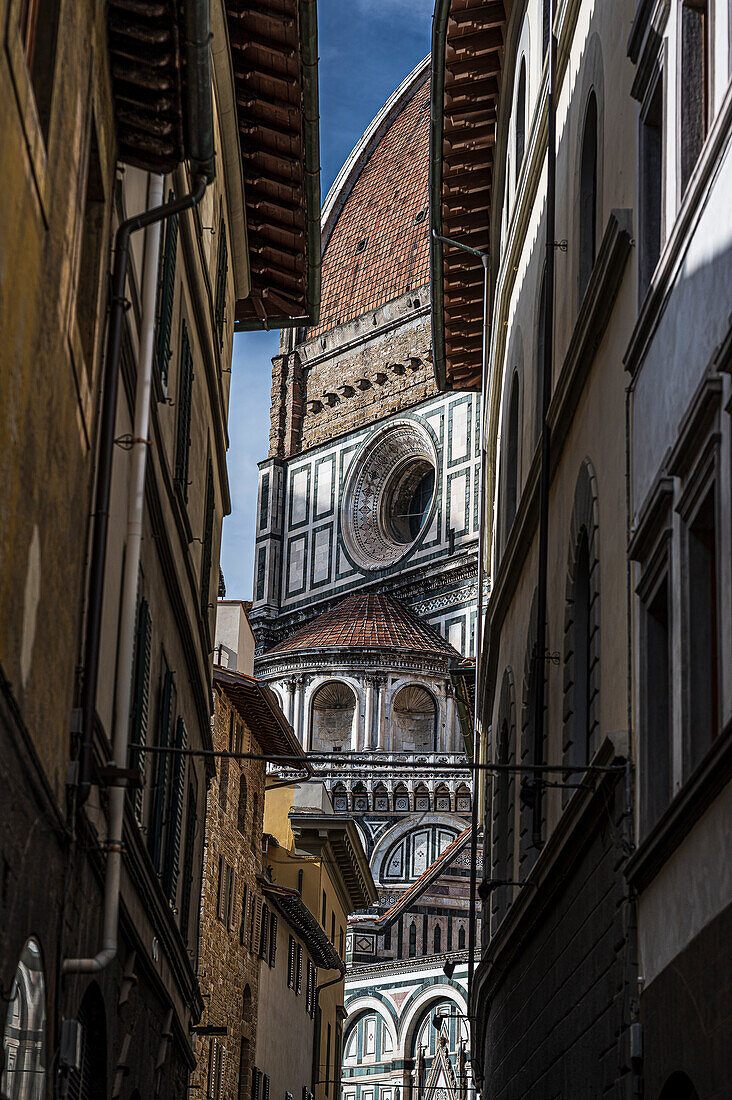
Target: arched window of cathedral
(521,118)
(409,856)
(333,715)
(401,798)
(351,1049)
(24,1036)
(360,798)
(421,798)
(413,720)
(511,452)
(437,940)
(442,798)
(461,939)
(464,800)
(412,940)
(588,196)
(340,798)
(381,797)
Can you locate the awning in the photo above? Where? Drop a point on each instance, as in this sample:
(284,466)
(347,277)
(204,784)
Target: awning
(302,921)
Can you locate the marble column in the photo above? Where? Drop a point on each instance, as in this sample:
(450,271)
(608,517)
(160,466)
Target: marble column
(356,725)
(381,719)
(305,716)
(289,692)
(369,717)
(297,708)
(450,738)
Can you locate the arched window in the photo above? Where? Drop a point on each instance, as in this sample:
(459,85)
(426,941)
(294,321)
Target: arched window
(678,1087)
(540,352)
(413,720)
(512,456)
(333,711)
(521,118)
(241,817)
(588,196)
(412,940)
(581,647)
(437,940)
(24,1036)
(461,939)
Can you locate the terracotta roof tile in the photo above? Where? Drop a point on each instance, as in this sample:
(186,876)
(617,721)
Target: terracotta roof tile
(360,621)
(386,209)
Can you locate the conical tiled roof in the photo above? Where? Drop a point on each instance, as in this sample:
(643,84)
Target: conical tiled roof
(368,621)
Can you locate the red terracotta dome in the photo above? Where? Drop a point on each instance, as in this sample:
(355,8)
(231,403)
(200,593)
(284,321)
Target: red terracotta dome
(375,220)
(365,622)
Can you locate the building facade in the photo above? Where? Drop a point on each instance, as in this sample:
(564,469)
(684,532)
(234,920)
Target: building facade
(116,485)
(604,720)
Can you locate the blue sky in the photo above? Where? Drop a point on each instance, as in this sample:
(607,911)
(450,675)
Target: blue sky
(366,49)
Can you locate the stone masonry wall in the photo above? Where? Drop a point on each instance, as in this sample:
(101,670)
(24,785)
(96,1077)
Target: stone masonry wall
(357,374)
(227,966)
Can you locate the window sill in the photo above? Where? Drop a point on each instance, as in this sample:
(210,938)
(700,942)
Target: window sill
(682,813)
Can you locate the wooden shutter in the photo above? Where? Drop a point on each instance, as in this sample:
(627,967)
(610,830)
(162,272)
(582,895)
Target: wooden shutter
(212,1063)
(243,918)
(221,1073)
(207,541)
(272,938)
(162,770)
(220,888)
(298,970)
(265,1086)
(185,392)
(255,1083)
(222,268)
(263,930)
(166,297)
(175,820)
(185,901)
(232,898)
(291,964)
(141,697)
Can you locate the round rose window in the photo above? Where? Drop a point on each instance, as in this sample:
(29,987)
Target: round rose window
(389,495)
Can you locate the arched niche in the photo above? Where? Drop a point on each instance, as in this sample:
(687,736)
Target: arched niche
(24,1035)
(413,720)
(333,710)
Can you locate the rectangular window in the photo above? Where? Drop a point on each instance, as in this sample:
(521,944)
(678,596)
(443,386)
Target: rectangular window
(263,932)
(185,901)
(327,1060)
(140,711)
(220,889)
(185,396)
(38,22)
(322,918)
(264,502)
(651,186)
(252,919)
(332,927)
(91,253)
(656,706)
(225,892)
(243,917)
(298,970)
(161,769)
(175,815)
(694,84)
(703,638)
(166,297)
(291,963)
(206,552)
(223,782)
(261,571)
(222,267)
(340,944)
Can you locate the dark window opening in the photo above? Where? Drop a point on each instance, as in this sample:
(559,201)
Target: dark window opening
(241,817)
(651,187)
(92,251)
(694,85)
(412,940)
(656,708)
(461,939)
(588,196)
(521,119)
(437,940)
(703,654)
(38,22)
(512,456)
(581,597)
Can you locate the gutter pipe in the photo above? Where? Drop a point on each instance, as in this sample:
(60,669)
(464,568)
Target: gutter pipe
(541,600)
(128,610)
(199,111)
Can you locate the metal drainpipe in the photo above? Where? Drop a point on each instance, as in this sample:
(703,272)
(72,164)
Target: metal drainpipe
(541,600)
(110,386)
(150,220)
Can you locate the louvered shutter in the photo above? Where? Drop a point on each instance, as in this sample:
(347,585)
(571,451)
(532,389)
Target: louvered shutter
(265,1089)
(298,970)
(220,887)
(222,268)
(166,297)
(185,391)
(291,964)
(162,770)
(272,939)
(255,1083)
(172,852)
(185,902)
(141,697)
(207,541)
(222,1071)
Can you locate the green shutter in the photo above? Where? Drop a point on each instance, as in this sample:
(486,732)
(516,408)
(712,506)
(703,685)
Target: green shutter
(139,717)
(207,542)
(185,901)
(162,770)
(172,854)
(166,296)
(183,435)
(222,268)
